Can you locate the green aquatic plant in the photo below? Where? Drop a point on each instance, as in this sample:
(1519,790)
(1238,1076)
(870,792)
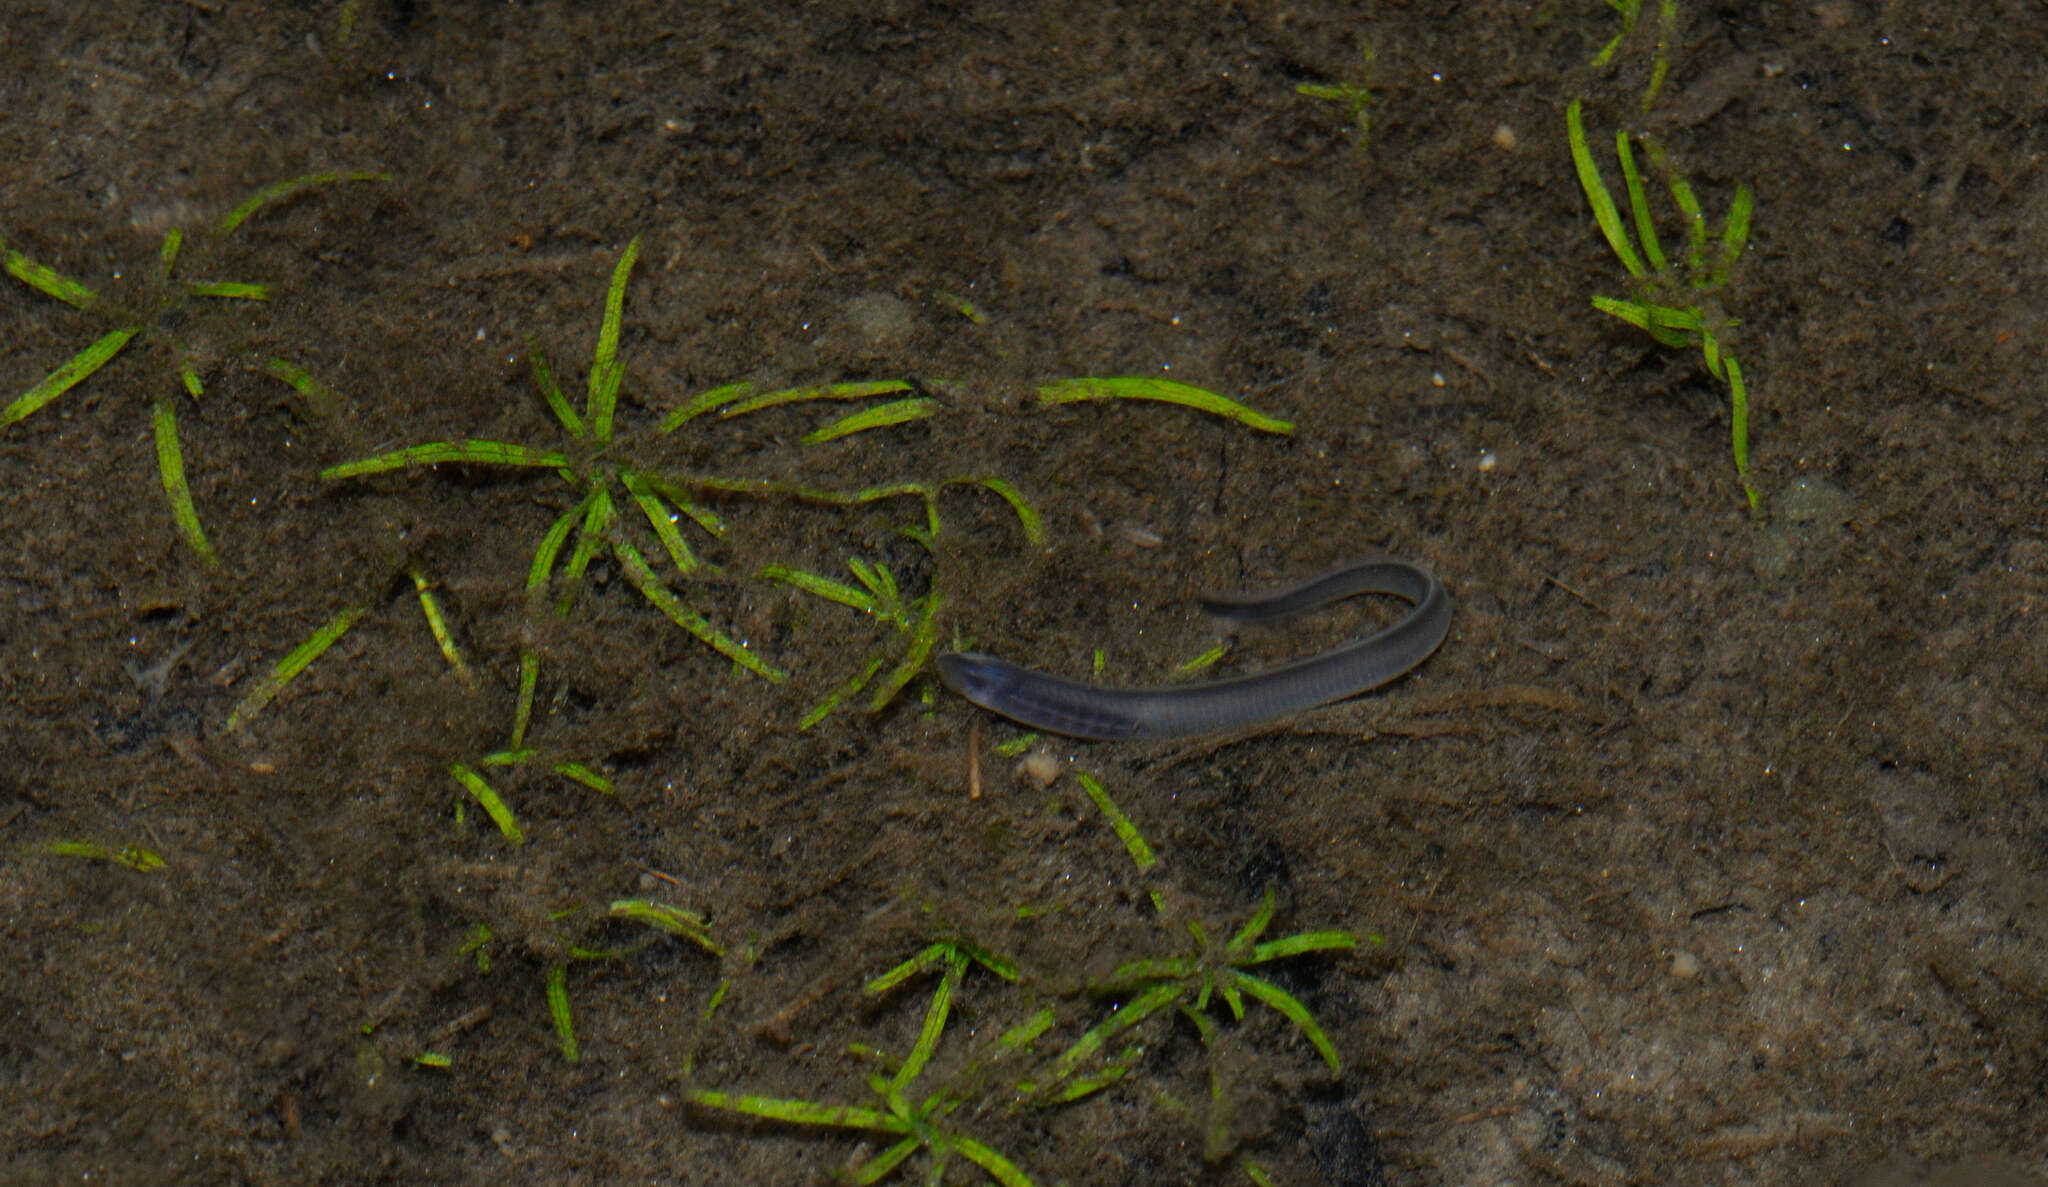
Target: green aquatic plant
(1164,391)
(602,482)
(294,662)
(1355,97)
(493,804)
(1188,982)
(157,315)
(135,857)
(879,596)
(1007,1071)
(1660,66)
(302,654)
(607,482)
(921,1123)
(1677,301)
(666,922)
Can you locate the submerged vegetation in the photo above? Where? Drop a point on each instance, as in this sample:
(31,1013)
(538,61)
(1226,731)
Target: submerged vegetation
(1677,299)
(1199,992)
(1007,1072)
(157,315)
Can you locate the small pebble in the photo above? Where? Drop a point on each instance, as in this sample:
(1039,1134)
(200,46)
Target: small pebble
(1040,766)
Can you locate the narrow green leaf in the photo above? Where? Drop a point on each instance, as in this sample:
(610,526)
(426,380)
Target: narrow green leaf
(673,920)
(1253,927)
(135,857)
(478,945)
(1070,391)
(1134,843)
(879,580)
(643,579)
(1644,317)
(522,713)
(1628,9)
(962,306)
(579,773)
(709,401)
(1734,235)
(1001,966)
(1216,1126)
(1016,746)
(1738,416)
(48,281)
(606,372)
(1235,1001)
(1296,1013)
(823,587)
(437,623)
(277,191)
(1152,968)
(508,758)
(1033,524)
(1688,204)
(895,412)
(999,1168)
(234,290)
(935,1015)
(1308,941)
(434,453)
(851,688)
(167,253)
(1596,192)
(800,1112)
(875,1169)
(320,400)
(1688,320)
(551,391)
(590,540)
(1026,1032)
(685,501)
(490,801)
(558,1009)
(770,488)
(926,957)
(923,638)
(294,662)
(1660,69)
(663,523)
(1112,1072)
(1639,203)
(68,376)
(1136,1010)
(1710,347)
(550,549)
(857,390)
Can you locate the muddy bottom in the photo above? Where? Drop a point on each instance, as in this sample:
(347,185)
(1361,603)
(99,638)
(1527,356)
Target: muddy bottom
(1711,846)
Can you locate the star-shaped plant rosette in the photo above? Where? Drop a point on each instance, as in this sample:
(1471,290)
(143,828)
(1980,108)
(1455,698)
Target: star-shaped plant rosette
(166,303)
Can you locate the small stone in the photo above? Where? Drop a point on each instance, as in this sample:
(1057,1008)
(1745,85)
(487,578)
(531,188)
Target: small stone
(1040,766)
(879,320)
